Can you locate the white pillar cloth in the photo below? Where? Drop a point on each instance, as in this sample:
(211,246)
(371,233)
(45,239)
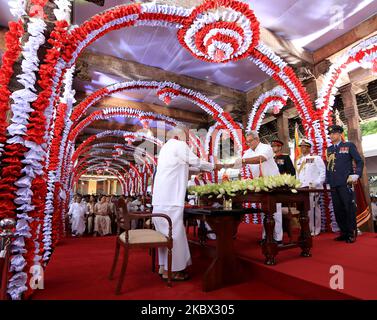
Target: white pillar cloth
(278,230)
(181,257)
(314,214)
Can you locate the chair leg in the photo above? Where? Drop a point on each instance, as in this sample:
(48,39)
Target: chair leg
(153,259)
(122,271)
(117,248)
(169,267)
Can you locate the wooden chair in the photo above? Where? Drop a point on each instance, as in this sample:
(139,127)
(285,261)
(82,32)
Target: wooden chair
(139,238)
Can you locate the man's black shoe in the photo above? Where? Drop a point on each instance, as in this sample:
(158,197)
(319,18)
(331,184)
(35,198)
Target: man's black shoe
(351,239)
(342,237)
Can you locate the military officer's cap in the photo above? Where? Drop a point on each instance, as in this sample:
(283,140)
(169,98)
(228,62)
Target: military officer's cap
(277,143)
(335,129)
(305,142)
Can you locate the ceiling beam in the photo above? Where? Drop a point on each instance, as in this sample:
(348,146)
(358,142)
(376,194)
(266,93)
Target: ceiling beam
(178,114)
(361,31)
(137,71)
(285,48)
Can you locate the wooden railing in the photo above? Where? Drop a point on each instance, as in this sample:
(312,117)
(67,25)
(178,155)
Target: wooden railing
(6,235)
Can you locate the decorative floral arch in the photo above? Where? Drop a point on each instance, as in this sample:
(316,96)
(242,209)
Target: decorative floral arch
(213,35)
(275,99)
(364,54)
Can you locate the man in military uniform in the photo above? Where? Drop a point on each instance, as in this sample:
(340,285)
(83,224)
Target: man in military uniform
(311,171)
(340,175)
(283,161)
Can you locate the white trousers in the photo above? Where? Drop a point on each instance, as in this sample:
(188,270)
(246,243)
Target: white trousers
(181,256)
(314,214)
(278,230)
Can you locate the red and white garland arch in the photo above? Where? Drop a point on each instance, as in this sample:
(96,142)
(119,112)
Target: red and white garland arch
(364,54)
(216,31)
(274,100)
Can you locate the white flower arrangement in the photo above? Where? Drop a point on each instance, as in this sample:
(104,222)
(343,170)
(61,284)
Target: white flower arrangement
(242,187)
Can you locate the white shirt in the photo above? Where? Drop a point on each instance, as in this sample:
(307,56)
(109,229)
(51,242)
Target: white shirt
(170,182)
(268,167)
(78,209)
(311,170)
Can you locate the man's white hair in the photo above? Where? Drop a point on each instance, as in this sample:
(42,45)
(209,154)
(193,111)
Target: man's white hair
(252,133)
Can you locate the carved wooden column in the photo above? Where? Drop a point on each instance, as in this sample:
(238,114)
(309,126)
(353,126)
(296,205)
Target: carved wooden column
(351,113)
(283,130)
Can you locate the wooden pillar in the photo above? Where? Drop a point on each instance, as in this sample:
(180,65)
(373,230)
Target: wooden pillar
(351,113)
(283,130)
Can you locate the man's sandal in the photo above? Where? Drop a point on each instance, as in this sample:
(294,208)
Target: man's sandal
(177,276)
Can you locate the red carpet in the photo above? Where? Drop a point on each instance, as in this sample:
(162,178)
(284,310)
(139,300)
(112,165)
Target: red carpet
(79,269)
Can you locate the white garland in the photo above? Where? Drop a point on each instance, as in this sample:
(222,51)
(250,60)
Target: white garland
(17,8)
(63,10)
(21,109)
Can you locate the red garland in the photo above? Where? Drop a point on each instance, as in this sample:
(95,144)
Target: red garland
(82,146)
(57,137)
(37,119)
(13,50)
(39,190)
(10,173)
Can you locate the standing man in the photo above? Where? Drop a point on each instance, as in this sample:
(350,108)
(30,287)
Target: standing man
(311,171)
(169,191)
(283,160)
(260,159)
(77,212)
(340,175)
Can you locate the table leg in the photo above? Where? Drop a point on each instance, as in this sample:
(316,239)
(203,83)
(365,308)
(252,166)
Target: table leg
(305,239)
(202,232)
(225,268)
(270,246)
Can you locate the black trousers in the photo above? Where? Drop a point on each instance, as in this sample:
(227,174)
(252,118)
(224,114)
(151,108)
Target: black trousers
(344,209)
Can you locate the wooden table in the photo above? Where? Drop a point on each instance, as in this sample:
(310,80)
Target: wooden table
(268,201)
(225,269)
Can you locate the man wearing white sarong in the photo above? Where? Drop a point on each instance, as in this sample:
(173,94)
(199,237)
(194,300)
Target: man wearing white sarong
(169,191)
(102,221)
(77,212)
(260,159)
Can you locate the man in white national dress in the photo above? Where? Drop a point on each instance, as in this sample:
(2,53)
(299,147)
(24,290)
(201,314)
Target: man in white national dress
(169,191)
(77,212)
(260,160)
(311,171)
